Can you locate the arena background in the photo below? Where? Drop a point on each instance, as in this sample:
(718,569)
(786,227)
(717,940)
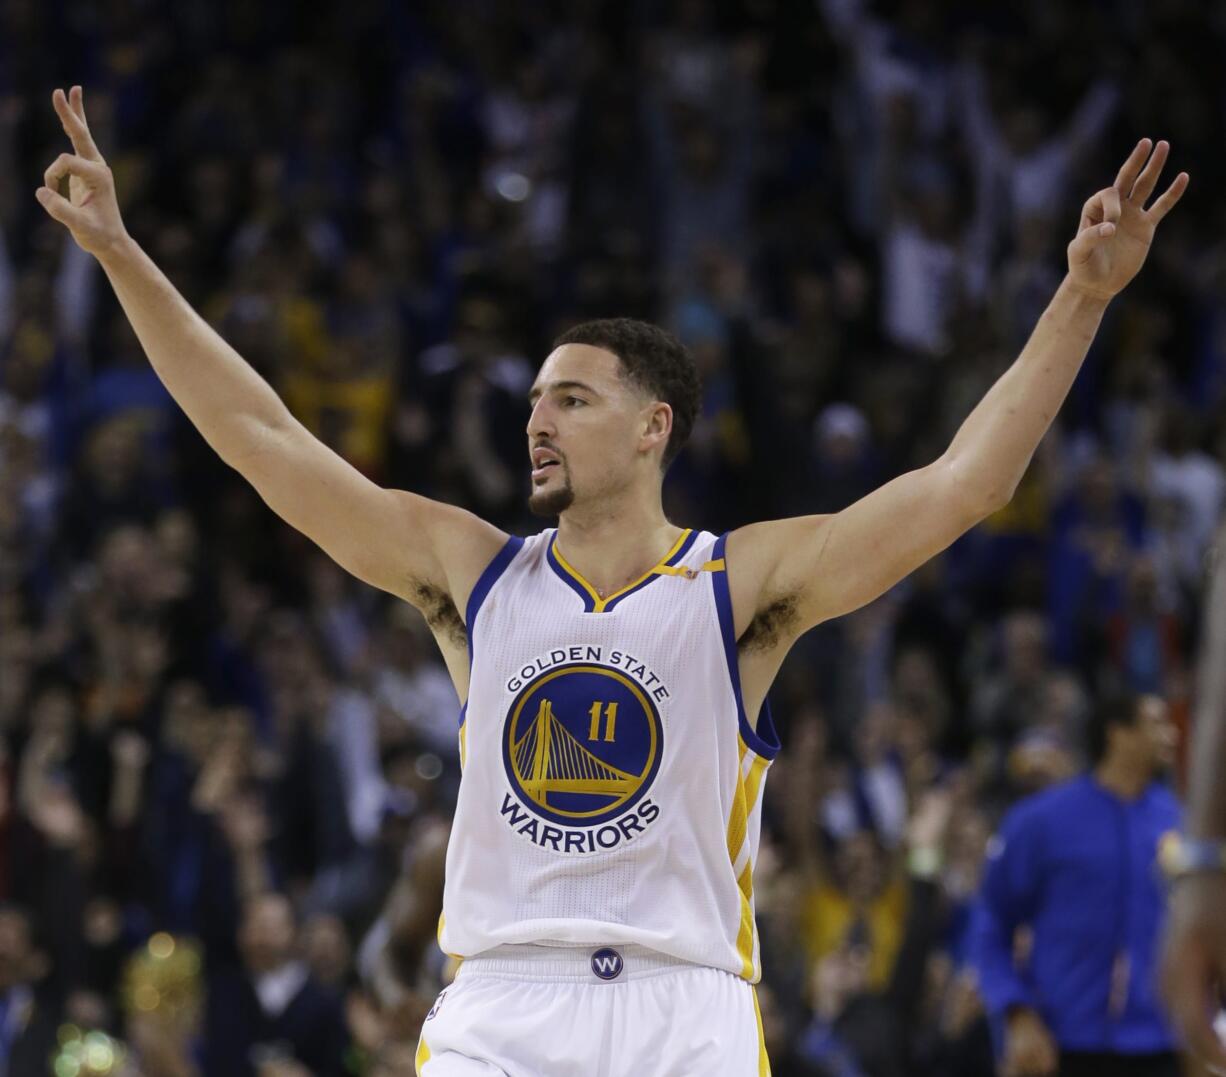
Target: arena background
(852,212)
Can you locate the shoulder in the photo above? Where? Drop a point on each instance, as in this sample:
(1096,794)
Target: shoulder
(512,550)
(1033,813)
(760,558)
(461,545)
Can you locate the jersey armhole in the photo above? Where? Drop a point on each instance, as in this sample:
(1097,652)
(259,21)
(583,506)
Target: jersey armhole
(764,740)
(485,582)
(481,590)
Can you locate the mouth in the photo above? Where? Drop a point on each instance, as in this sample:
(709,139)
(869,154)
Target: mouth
(539,473)
(544,457)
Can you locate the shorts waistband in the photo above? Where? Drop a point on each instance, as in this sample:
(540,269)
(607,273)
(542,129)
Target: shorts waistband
(571,964)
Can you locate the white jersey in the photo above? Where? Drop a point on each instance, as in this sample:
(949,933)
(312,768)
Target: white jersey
(612,785)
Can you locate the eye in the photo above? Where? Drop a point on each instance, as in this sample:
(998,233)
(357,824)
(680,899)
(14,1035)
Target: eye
(573,400)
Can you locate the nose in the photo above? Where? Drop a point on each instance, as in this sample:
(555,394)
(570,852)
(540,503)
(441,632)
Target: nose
(540,422)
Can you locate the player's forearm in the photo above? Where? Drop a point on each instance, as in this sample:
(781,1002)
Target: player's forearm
(1207,788)
(993,448)
(227,401)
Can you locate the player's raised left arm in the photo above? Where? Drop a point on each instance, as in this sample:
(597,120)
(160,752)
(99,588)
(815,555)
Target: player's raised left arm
(829,565)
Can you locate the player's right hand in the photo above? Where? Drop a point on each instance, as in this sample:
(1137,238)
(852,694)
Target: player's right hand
(90,212)
(1030,1050)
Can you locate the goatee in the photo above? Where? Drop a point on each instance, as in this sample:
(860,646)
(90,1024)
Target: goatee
(552,502)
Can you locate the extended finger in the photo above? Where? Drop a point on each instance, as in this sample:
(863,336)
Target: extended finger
(75,126)
(76,101)
(1111,205)
(1166,201)
(1131,168)
(1148,179)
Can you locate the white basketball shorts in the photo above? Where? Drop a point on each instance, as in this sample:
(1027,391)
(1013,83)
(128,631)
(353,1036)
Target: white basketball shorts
(566,1011)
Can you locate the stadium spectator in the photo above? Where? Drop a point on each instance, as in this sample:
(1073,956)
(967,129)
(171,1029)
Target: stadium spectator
(1075,867)
(272,1008)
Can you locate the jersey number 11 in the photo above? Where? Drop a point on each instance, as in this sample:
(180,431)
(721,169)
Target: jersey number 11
(610,720)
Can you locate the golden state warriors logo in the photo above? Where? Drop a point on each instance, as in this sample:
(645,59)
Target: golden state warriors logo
(582,744)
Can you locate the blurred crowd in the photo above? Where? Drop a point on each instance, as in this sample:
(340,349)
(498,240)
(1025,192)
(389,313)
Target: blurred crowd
(227,769)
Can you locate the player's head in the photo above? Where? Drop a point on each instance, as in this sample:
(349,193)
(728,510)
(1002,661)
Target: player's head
(1135,729)
(614,402)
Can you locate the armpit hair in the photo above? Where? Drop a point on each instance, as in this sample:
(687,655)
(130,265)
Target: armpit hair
(439,610)
(773,622)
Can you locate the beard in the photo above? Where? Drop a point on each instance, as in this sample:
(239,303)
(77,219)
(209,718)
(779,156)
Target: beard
(555,501)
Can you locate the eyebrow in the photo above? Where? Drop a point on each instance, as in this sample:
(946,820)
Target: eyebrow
(536,392)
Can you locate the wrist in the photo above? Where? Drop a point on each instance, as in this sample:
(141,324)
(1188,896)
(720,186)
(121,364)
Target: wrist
(1086,294)
(121,251)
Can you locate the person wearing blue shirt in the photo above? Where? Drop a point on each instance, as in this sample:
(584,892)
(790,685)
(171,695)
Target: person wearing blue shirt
(1075,864)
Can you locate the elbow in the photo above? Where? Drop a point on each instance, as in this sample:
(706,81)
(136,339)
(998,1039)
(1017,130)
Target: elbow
(996,499)
(246,441)
(977,496)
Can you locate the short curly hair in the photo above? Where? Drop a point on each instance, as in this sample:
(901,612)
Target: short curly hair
(655,361)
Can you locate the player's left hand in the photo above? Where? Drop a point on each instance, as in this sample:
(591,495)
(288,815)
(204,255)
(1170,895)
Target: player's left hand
(1116,229)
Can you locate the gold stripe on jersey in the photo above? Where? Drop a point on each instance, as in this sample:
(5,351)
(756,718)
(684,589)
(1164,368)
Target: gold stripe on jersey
(743,802)
(744,935)
(463,744)
(601,603)
(422,1056)
(690,573)
(744,799)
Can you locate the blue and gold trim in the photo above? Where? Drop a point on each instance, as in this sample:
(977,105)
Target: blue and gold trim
(764,741)
(485,581)
(592,602)
(480,591)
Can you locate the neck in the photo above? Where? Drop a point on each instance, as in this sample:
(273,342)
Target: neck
(1122,777)
(618,542)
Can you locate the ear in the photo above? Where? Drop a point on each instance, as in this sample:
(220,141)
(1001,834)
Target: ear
(657,425)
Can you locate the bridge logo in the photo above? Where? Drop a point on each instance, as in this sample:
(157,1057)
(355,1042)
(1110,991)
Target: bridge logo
(607,963)
(582,744)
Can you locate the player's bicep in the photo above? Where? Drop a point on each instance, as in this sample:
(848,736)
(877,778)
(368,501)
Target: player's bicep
(837,563)
(394,540)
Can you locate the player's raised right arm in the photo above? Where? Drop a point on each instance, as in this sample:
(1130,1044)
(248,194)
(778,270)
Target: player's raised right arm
(392,539)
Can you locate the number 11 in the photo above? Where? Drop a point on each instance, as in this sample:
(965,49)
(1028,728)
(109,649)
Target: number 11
(610,721)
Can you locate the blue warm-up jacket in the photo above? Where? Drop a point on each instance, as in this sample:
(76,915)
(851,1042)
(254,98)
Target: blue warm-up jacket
(1077,864)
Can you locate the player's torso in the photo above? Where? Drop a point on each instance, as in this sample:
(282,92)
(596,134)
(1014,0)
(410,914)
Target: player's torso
(604,767)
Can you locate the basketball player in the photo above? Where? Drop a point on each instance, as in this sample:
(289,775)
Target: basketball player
(614,735)
(1194,961)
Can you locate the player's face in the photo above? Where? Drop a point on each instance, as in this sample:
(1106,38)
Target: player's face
(585,429)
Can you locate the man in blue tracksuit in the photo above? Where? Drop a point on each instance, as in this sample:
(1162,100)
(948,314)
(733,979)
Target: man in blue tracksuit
(1076,865)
